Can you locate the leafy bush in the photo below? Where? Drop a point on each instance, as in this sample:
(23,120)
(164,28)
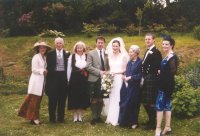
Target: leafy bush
(186,99)
(51,33)
(196,32)
(26,59)
(90,29)
(131,30)
(111,28)
(4,32)
(181,25)
(13,85)
(193,74)
(157,28)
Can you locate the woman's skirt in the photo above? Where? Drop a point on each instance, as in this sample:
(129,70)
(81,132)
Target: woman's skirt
(30,107)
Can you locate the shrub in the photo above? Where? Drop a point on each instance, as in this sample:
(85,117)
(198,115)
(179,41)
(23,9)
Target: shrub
(26,59)
(181,25)
(186,102)
(157,28)
(131,30)
(51,33)
(193,74)
(13,85)
(111,28)
(4,32)
(186,99)
(196,32)
(90,29)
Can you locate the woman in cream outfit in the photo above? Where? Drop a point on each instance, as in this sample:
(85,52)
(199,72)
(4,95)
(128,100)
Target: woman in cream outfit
(30,107)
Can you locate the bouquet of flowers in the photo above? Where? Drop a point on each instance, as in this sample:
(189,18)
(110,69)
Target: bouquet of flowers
(107,84)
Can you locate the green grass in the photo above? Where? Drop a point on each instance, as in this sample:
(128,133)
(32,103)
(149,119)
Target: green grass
(12,125)
(16,48)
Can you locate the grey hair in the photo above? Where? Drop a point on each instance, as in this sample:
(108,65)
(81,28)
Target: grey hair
(59,39)
(135,48)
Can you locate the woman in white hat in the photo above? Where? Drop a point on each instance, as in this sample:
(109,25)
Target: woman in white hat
(30,107)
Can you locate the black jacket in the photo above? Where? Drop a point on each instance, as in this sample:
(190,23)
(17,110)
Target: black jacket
(166,77)
(151,64)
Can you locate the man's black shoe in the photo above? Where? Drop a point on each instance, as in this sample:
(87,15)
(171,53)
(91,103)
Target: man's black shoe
(93,122)
(99,120)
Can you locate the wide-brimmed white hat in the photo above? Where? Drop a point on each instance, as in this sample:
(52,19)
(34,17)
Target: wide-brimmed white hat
(37,44)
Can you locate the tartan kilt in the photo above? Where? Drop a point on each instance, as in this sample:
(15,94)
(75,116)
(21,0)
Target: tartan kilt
(150,89)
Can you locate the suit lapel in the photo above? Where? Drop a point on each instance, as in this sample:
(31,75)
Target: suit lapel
(54,58)
(97,57)
(147,57)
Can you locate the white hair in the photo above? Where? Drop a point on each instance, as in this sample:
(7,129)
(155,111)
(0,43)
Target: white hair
(58,39)
(135,48)
(79,43)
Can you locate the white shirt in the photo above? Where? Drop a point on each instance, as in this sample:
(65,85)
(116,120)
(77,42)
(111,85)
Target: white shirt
(102,52)
(59,53)
(148,53)
(80,61)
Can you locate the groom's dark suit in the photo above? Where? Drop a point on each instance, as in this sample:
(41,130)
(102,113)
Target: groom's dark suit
(56,86)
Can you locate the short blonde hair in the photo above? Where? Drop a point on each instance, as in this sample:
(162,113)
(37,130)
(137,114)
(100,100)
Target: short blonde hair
(79,43)
(135,48)
(59,39)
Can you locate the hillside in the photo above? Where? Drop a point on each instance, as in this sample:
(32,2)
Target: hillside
(16,49)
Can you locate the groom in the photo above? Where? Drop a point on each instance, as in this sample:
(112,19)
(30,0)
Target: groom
(97,65)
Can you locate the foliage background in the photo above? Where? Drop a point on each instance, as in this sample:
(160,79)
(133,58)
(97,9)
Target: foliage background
(29,17)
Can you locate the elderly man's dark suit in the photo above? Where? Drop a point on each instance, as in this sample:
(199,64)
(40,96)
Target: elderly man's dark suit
(150,67)
(56,87)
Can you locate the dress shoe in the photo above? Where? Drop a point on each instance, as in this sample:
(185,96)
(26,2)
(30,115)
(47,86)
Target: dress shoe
(99,120)
(61,121)
(167,131)
(80,120)
(158,131)
(134,126)
(35,122)
(93,122)
(75,120)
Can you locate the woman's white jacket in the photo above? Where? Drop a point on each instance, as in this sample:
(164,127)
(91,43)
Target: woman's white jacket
(37,79)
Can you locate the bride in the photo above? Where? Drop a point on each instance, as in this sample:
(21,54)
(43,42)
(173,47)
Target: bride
(118,58)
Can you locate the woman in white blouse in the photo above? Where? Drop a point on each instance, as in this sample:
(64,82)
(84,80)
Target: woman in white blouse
(30,107)
(78,98)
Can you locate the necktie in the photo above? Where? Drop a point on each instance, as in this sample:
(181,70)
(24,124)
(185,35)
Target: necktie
(102,62)
(59,55)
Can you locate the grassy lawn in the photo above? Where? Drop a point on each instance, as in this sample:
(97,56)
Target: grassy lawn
(12,125)
(14,49)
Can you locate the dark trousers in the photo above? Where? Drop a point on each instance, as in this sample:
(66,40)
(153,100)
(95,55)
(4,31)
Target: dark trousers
(96,99)
(151,112)
(57,99)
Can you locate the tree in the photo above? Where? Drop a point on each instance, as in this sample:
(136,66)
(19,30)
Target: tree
(139,13)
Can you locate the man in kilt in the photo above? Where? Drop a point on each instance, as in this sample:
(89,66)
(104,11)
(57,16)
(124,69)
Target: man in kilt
(150,69)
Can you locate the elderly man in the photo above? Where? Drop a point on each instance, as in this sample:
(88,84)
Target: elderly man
(56,81)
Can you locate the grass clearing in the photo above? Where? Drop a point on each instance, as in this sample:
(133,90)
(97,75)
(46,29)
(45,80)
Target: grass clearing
(12,125)
(11,97)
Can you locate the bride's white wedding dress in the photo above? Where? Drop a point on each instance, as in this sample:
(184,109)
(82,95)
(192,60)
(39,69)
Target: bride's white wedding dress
(112,109)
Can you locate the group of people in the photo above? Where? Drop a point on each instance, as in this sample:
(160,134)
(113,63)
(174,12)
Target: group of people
(78,76)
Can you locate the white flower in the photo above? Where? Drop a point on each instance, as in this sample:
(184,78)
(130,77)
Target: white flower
(104,76)
(150,52)
(107,83)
